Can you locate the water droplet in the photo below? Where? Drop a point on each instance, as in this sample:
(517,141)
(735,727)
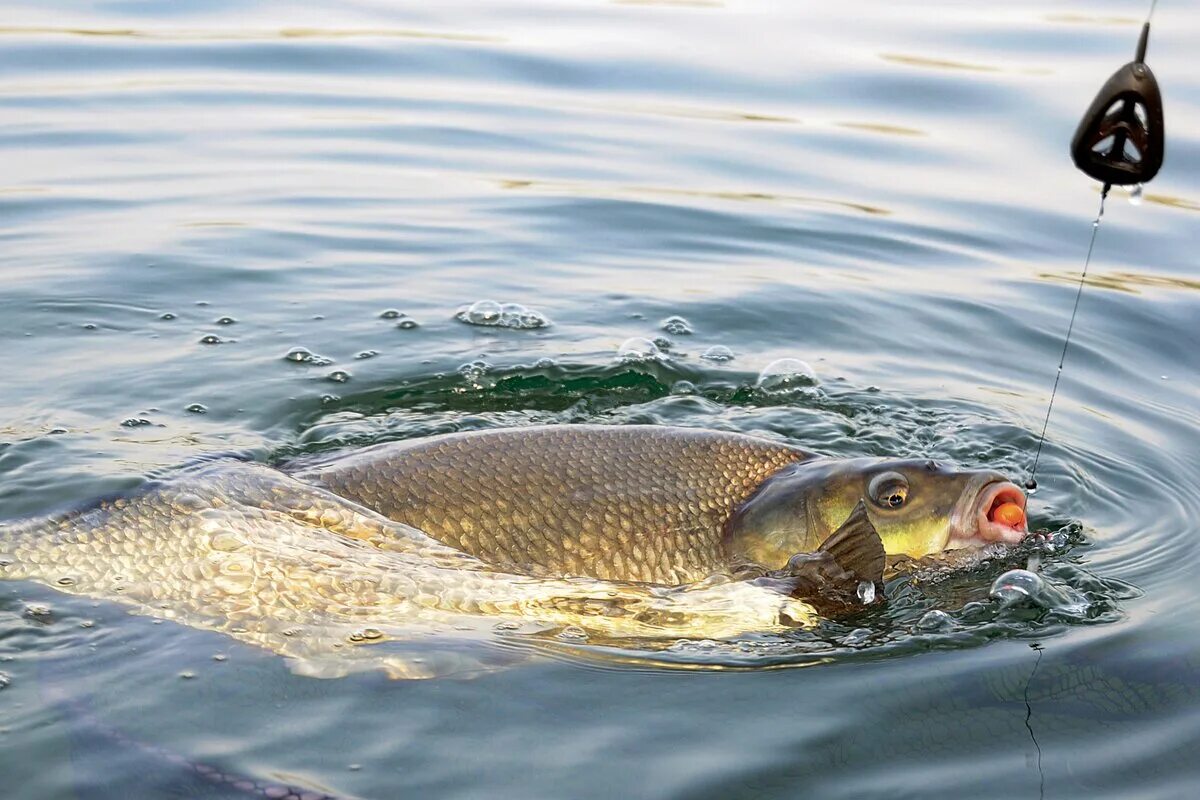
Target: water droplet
(1135,194)
(226,321)
(718,353)
(866,592)
(407,324)
(197,408)
(636,349)
(390,313)
(785,375)
(135,422)
(366,354)
(676,326)
(211,339)
(168,316)
(338,376)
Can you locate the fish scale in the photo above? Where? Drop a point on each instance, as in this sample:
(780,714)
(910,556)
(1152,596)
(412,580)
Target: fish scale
(616,503)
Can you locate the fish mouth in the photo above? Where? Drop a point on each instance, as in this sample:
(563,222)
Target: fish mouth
(987,515)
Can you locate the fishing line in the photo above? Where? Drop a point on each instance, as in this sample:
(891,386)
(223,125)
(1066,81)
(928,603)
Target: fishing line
(1120,141)
(1031,484)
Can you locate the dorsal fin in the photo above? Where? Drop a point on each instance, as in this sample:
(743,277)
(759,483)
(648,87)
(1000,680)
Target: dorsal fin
(856,546)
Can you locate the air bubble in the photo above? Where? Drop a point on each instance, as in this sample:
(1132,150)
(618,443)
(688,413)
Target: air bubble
(89,326)
(475,373)
(676,326)
(390,313)
(197,408)
(226,321)
(5,681)
(302,355)
(683,388)
(636,349)
(338,376)
(407,324)
(135,422)
(785,375)
(168,316)
(489,313)
(935,620)
(187,675)
(366,354)
(211,339)
(718,353)
(299,354)
(573,633)
(1020,586)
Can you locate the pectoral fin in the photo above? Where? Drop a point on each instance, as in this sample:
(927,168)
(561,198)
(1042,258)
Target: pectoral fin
(856,546)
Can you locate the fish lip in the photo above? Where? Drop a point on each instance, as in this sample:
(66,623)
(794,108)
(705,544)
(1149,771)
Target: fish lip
(969,524)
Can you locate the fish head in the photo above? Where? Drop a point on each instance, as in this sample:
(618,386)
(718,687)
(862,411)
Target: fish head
(918,506)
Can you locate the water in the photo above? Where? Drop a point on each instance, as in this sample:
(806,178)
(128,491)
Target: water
(881,191)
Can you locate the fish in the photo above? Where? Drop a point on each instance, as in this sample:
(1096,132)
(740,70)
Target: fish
(660,504)
(614,533)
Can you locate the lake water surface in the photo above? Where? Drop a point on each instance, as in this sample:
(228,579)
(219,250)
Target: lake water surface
(191,190)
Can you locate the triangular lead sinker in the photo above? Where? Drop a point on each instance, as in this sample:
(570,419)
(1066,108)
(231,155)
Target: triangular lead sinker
(1120,139)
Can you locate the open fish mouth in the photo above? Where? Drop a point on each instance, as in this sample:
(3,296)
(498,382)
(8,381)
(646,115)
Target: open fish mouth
(995,512)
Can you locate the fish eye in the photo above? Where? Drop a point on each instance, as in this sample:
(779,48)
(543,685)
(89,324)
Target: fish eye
(888,490)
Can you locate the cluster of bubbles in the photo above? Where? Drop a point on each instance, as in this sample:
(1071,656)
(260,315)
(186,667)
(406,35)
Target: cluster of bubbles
(489,313)
(677,326)
(403,321)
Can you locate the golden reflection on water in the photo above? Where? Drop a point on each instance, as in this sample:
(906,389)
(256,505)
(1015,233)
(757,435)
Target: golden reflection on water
(1091,19)
(966,66)
(876,127)
(282,33)
(1129,282)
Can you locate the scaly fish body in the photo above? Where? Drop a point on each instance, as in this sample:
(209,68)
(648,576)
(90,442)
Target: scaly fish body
(633,503)
(623,531)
